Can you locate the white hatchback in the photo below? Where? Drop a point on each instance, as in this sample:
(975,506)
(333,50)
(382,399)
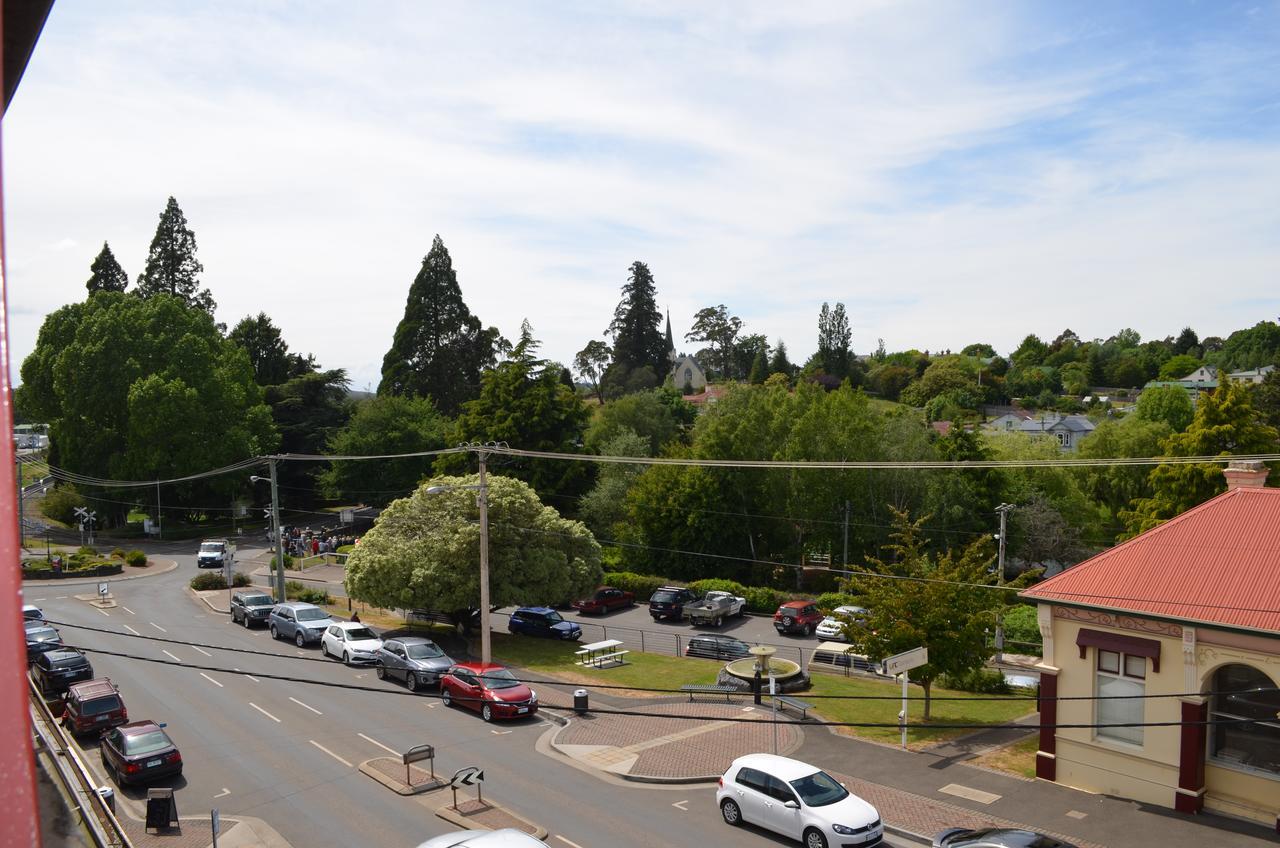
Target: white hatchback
(351,642)
(797,800)
(832,627)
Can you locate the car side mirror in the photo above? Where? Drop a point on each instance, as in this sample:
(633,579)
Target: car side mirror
(792,805)
(163,724)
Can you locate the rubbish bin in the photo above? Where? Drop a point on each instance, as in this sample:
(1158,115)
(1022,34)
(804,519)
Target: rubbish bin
(108,796)
(580,701)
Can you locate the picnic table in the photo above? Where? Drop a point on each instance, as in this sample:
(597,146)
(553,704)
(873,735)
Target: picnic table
(598,653)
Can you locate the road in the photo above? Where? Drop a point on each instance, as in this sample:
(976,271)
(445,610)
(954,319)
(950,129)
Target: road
(287,752)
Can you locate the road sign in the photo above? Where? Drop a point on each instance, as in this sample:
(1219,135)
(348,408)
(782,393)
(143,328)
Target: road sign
(103,590)
(905,661)
(216,821)
(419,752)
(468,776)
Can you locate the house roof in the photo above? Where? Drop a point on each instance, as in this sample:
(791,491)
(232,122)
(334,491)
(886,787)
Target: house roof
(1217,564)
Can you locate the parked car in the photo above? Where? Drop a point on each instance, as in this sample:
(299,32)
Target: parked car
(797,800)
(94,705)
(508,837)
(797,617)
(31,612)
(715,646)
(41,639)
(996,837)
(542,621)
(832,627)
(715,607)
(300,622)
(492,690)
(604,599)
(53,671)
(670,601)
(139,752)
(417,661)
(251,608)
(351,642)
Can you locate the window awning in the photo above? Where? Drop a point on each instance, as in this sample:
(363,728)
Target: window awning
(1119,643)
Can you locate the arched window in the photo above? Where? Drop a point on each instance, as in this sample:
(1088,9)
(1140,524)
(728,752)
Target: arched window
(1245,711)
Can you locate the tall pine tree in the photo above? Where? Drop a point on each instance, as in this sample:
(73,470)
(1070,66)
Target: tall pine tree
(172,267)
(637,341)
(439,347)
(834,338)
(107,275)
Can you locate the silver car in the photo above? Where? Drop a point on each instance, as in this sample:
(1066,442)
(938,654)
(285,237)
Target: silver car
(417,661)
(303,623)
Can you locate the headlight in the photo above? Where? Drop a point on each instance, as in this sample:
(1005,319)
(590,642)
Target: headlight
(533,696)
(847,831)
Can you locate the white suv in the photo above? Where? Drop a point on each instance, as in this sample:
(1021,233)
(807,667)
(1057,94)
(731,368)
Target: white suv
(797,800)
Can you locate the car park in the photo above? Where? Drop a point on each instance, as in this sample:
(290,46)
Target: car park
(715,607)
(303,623)
(996,837)
(417,661)
(351,642)
(604,599)
(716,646)
(542,621)
(670,601)
(491,690)
(94,706)
(250,608)
(797,800)
(53,671)
(507,837)
(831,628)
(800,617)
(41,639)
(140,752)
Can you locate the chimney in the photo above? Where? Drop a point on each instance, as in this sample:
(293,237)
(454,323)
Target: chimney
(1245,474)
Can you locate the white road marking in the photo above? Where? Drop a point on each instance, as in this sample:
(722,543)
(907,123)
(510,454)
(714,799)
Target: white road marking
(264,712)
(567,842)
(379,744)
(330,753)
(131,630)
(104,612)
(38,600)
(171,655)
(157,627)
(211,680)
(1076,814)
(499,732)
(126,609)
(306,706)
(225,791)
(682,806)
(201,650)
(61,598)
(254,679)
(431,706)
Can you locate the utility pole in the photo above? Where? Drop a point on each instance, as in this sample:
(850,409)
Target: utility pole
(159,519)
(275,520)
(1003,509)
(845,561)
(482,501)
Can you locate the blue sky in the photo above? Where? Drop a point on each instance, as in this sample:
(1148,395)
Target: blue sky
(952,172)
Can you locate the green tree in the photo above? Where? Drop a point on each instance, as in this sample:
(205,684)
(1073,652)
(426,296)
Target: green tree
(759,368)
(1031,352)
(425,549)
(644,414)
(715,326)
(1117,486)
(1177,367)
(380,426)
(308,411)
(172,267)
(1258,345)
(439,347)
(1170,404)
(834,339)
(943,375)
(979,349)
(888,381)
(106,273)
(1187,343)
(637,341)
(937,602)
(779,363)
(266,347)
(1266,398)
(604,508)
(1225,424)
(591,363)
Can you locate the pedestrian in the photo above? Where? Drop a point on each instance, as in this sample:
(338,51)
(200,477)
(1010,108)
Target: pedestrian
(355,617)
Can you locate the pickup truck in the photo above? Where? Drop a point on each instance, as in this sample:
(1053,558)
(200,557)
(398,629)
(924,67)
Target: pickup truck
(715,608)
(215,553)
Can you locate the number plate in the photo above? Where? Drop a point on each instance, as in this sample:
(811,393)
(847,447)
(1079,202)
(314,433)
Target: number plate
(522,709)
(153,763)
(103,718)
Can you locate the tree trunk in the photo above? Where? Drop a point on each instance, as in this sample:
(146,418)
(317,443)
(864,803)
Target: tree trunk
(927,685)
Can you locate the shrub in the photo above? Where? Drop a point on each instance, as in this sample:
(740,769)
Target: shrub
(763,599)
(208,580)
(60,504)
(288,561)
(981,681)
(118,553)
(1021,627)
(716,585)
(642,585)
(136,558)
(85,550)
(828,601)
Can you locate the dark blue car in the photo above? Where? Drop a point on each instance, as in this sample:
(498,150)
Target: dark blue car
(542,621)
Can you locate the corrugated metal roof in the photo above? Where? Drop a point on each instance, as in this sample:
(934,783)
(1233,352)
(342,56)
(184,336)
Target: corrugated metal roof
(1218,563)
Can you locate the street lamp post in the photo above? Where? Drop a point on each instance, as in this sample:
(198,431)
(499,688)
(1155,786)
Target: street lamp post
(279,536)
(482,502)
(1003,509)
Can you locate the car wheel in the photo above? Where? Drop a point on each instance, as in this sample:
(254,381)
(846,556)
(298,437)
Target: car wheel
(346,658)
(806,631)
(732,814)
(446,697)
(298,640)
(380,671)
(275,634)
(719,620)
(411,681)
(814,839)
(245,622)
(486,712)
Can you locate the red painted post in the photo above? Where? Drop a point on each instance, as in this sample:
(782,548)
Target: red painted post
(1047,756)
(1189,797)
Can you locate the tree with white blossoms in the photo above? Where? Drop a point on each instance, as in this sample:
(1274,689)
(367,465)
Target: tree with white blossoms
(424,551)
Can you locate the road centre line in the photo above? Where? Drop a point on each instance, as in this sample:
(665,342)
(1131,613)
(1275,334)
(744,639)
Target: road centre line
(254,679)
(104,612)
(61,598)
(203,651)
(264,712)
(126,609)
(163,651)
(567,842)
(38,600)
(157,627)
(211,680)
(131,630)
(379,744)
(307,706)
(330,753)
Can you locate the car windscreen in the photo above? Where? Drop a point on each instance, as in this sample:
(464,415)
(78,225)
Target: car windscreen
(42,634)
(258,601)
(663,597)
(70,661)
(97,706)
(819,789)
(145,743)
(312,615)
(500,679)
(358,634)
(553,617)
(424,652)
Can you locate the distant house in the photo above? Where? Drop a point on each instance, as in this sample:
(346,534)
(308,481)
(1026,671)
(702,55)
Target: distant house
(687,372)
(1008,422)
(1067,430)
(1203,374)
(1252,375)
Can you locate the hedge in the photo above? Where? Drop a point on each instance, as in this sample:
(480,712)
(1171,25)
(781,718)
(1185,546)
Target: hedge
(44,571)
(214,580)
(641,585)
(296,591)
(136,558)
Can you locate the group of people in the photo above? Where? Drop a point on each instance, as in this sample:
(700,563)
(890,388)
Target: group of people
(303,541)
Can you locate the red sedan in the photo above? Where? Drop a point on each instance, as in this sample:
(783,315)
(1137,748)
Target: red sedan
(606,598)
(491,690)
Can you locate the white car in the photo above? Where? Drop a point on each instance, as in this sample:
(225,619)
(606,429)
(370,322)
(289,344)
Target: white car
(351,642)
(832,627)
(797,800)
(508,837)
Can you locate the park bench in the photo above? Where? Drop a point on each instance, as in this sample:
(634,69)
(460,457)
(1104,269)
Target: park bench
(794,703)
(707,689)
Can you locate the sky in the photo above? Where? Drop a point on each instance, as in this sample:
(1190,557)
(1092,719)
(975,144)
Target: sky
(951,172)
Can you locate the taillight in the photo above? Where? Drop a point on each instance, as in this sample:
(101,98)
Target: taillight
(132,768)
(175,757)
(720,782)
(124,715)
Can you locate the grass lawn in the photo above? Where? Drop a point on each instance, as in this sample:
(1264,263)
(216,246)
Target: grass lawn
(33,471)
(546,656)
(1018,758)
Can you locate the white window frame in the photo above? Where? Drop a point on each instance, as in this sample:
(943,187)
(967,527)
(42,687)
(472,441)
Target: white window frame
(1116,673)
(1064,438)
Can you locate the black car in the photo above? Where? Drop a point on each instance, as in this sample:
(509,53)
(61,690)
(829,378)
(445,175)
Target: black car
(544,622)
(717,646)
(670,601)
(41,639)
(54,671)
(251,608)
(996,837)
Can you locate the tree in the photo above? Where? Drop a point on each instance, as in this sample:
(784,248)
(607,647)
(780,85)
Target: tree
(979,349)
(943,375)
(382,425)
(1258,345)
(643,414)
(423,551)
(267,350)
(1177,367)
(1039,534)
(715,326)
(637,342)
(1031,352)
(106,273)
(439,348)
(949,614)
(834,338)
(1187,343)
(172,267)
(604,508)
(759,368)
(1169,404)
(779,363)
(308,411)
(1266,398)
(1117,486)
(888,381)
(591,362)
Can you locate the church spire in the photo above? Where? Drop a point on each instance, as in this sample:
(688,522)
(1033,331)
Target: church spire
(671,346)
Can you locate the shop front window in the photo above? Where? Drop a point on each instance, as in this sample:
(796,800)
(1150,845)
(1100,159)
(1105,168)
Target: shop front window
(1245,715)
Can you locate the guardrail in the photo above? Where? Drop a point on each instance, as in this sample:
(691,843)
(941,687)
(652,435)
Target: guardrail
(71,772)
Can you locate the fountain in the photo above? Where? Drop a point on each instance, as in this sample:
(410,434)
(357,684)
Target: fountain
(740,674)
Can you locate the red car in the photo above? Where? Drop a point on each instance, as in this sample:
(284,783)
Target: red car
(797,617)
(94,706)
(606,598)
(491,690)
(140,751)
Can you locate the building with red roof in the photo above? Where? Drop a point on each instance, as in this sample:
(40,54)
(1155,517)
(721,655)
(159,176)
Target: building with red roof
(1160,679)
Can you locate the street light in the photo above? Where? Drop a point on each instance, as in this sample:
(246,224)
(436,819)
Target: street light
(1003,509)
(275,523)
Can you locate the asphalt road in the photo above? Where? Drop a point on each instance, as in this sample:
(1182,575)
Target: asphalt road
(287,752)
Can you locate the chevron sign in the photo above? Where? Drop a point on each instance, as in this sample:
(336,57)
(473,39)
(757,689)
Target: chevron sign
(468,776)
